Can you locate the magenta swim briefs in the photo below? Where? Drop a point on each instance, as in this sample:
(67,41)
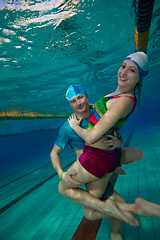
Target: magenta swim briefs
(98,161)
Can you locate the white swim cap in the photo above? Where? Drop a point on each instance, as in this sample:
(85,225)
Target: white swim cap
(74,91)
(141,61)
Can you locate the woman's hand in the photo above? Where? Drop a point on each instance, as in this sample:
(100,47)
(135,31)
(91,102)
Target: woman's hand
(73,121)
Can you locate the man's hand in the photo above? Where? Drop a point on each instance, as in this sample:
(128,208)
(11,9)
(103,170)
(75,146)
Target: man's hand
(113,142)
(73,121)
(67,178)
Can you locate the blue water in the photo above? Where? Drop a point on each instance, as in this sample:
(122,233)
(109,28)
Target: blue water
(45,46)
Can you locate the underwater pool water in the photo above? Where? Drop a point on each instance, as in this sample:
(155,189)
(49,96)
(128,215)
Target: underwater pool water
(45,46)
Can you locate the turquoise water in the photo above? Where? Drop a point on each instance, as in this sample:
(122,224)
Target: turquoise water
(44,47)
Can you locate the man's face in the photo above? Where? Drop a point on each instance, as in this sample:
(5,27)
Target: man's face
(79,104)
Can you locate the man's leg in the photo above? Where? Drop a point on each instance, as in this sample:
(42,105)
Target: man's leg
(116,223)
(94,215)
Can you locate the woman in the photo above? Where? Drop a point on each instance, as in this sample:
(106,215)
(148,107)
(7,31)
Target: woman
(97,163)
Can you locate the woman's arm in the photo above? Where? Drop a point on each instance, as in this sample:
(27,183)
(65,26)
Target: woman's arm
(119,109)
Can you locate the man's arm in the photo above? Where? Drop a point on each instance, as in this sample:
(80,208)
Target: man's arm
(55,159)
(56,162)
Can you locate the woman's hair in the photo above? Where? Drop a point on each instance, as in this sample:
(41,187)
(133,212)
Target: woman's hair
(138,90)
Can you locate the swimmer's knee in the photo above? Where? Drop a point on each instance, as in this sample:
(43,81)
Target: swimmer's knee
(61,189)
(141,155)
(97,193)
(129,156)
(88,213)
(94,193)
(139,201)
(116,197)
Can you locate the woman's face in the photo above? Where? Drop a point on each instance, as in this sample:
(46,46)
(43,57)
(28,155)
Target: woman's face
(128,74)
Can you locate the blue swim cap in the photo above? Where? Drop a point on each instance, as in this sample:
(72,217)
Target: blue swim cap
(141,61)
(74,91)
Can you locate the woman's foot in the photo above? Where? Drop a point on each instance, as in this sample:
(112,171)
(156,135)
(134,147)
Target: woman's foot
(117,213)
(146,208)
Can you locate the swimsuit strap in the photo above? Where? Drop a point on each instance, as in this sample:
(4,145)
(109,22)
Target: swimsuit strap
(117,96)
(110,97)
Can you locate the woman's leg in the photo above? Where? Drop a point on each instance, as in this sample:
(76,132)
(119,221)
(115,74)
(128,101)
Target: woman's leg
(141,207)
(147,208)
(84,198)
(129,155)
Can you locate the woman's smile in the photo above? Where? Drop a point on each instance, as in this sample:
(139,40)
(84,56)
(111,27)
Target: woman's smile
(123,79)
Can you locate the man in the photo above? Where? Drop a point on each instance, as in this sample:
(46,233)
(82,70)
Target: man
(77,97)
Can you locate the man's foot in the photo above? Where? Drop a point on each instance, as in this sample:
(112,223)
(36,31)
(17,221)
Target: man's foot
(146,208)
(117,213)
(116,236)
